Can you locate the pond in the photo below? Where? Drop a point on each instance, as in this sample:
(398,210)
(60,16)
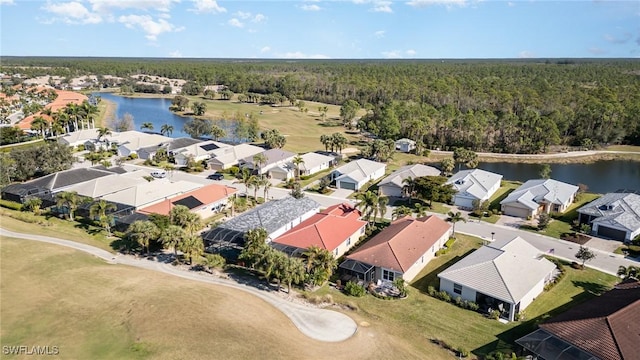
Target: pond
(156,111)
(600,176)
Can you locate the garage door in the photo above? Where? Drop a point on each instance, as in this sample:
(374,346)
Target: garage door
(516,211)
(463,202)
(347,185)
(611,233)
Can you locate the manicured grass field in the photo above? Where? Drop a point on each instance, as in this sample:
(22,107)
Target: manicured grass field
(564,223)
(92,310)
(420,317)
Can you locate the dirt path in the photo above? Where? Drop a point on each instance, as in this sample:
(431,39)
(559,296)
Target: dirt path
(319,324)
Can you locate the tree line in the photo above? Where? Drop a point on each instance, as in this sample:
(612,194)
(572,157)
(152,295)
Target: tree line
(501,106)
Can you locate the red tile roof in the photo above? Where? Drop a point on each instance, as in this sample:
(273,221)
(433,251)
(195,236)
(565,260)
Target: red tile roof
(64,98)
(607,326)
(25,124)
(402,243)
(207,195)
(326,229)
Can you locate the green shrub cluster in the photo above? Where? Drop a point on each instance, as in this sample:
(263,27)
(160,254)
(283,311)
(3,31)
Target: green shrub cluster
(353,289)
(562,271)
(444,296)
(10,205)
(27,217)
(442,251)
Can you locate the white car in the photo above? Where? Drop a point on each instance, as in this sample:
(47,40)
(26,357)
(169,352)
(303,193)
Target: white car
(159,173)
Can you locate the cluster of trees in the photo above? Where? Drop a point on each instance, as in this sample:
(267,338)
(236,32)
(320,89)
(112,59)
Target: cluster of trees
(314,267)
(502,106)
(335,142)
(255,182)
(22,164)
(197,128)
(380,150)
(273,138)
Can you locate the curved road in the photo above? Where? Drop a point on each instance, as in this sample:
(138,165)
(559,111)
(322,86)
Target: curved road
(319,324)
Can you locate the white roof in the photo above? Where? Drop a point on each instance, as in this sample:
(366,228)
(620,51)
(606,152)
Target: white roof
(360,169)
(134,140)
(312,160)
(102,186)
(618,209)
(474,182)
(533,192)
(506,270)
(231,155)
(413,171)
(405,141)
(79,137)
(205,148)
(151,192)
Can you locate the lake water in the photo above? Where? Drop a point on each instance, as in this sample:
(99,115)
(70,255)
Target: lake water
(600,176)
(156,111)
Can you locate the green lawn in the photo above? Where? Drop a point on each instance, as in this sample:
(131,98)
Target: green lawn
(563,223)
(421,317)
(505,189)
(623,148)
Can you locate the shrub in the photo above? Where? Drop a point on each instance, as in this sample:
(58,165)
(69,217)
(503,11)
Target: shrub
(443,295)
(132,156)
(431,291)
(441,251)
(585,229)
(458,301)
(471,305)
(462,352)
(80,147)
(10,205)
(450,242)
(353,289)
(494,314)
(305,177)
(520,316)
(234,170)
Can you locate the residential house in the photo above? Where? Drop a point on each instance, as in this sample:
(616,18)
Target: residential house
(537,196)
(401,250)
(224,158)
(150,151)
(615,216)
(473,185)
(335,229)
(393,185)
(205,201)
(199,152)
(63,180)
(277,165)
(99,187)
(129,142)
(506,275)
(276,217)
(151,192)
(20,193)
(355,174)
(606,327)
(79,137)
(405,145)
(314,163)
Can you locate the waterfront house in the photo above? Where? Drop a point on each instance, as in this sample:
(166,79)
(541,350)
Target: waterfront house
(201,151)
(614,216)
(393,185)
(538,196)
(473,185)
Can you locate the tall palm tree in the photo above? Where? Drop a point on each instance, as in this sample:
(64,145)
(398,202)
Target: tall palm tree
(297,161)
(166,130)
(192,246)
(192,223)
(68,199)
(380,207)
(102,132)
(409,187)
(254,182)
(293,272)
(178,215)
(172,236)
(99,209)
(217,132)
(266,185)
(454,218)
(367,202)
(39,124)
(245,177)
(258,161)
(146,126)
(143,232)
(326,141)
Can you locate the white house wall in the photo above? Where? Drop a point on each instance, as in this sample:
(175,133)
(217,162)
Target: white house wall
(531,295)
(415,269)
(292,224)
(390,190)
(349,242)
(467,293)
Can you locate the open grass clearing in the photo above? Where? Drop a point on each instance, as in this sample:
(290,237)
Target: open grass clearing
(420,317)
(630,148)
(92,310)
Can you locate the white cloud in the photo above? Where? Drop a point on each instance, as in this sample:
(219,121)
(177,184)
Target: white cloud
(105,6)
(447,3)
(207,6)
(151,27)
(7,2)
(377,5)
(243,15)
(72,13)
(300,55)
(310,7)
(175,54)
(235,22)
(526,54)
(410,52)
(618,40)
(259,18)
(511,4)
(393,54)
(265,49)
(379,33)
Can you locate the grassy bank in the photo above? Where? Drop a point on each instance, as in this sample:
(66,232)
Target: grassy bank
(106,112)
(92,310)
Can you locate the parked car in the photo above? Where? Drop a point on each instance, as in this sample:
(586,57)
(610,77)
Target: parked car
(216,176)
(159,173)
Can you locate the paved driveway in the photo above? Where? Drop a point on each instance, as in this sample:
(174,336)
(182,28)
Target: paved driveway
(341,193)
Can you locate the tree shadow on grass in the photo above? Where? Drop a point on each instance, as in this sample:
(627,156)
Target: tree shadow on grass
(125,245)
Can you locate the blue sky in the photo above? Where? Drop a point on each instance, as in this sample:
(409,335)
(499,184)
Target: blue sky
(321,29)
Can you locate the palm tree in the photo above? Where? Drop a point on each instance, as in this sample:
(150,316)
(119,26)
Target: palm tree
(420,209)
(166,129)
(172,237)
(400,211)
(266,185)
(367,202)
(33,204)
(409,187)
(297,161)
(102,132)
(254,182)
(217,132)
(380,207)
(39,124)
(319,264)
(146,126)
(143,232)
(293,272)
(326,141)
(245,177)
(192,223)
(68,199)
(192,246)
(100,208)
(178,215)
(259,160)
(630,272)
(105,223)
(454,218)
(338,141)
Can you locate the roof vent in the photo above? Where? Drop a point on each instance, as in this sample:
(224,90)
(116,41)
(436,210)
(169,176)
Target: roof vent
(459,181)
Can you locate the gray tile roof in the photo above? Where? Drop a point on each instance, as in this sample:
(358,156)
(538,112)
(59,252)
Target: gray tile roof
(413,171)
(475,182)
(622,209)
(271,216)
(359,169)
(505,269)
(273,156)
(536,191)
(66,178)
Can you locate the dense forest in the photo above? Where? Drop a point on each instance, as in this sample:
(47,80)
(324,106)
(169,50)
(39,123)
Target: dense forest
(510,106)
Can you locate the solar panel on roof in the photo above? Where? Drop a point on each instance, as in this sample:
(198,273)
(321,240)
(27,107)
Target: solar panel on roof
(189,202)
(209,147)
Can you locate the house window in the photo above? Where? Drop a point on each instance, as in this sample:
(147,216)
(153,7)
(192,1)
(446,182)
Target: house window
(336,251)
(362,230)
(388,275)
(433,248)
(348,241)
(457,288)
